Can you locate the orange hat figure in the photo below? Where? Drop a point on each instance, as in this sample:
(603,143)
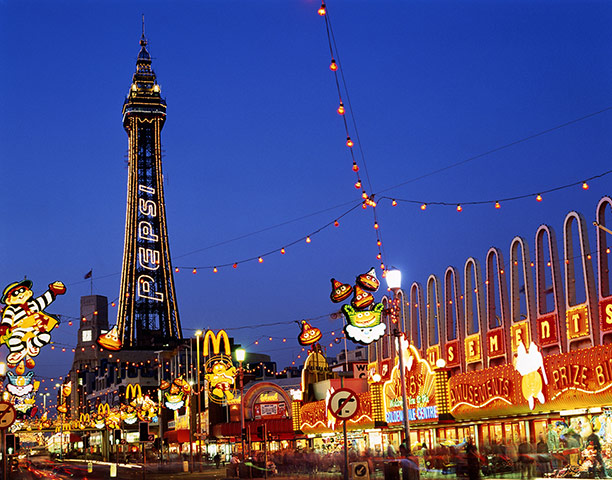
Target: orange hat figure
(25,326)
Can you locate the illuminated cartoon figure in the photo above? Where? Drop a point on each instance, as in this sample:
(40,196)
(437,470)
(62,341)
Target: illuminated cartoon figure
(25,326)
(528,364)
(221,379)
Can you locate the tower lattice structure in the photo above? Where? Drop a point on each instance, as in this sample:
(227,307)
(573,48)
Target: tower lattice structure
(148,315)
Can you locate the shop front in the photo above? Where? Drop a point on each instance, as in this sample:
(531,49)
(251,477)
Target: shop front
(558,403)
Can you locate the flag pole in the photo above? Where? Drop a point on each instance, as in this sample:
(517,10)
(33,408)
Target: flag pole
(91,282)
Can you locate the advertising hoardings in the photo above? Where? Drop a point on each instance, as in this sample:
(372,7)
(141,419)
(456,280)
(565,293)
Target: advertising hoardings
(577,379)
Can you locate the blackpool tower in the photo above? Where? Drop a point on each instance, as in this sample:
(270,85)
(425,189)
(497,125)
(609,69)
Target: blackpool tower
(147,316)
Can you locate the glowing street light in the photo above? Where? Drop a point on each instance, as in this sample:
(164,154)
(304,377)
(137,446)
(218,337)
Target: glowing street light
(240,356)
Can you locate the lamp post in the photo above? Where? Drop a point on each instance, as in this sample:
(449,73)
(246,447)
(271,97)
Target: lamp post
(44,397)
(240,356)
(394,282)
(61,394)
(198,334)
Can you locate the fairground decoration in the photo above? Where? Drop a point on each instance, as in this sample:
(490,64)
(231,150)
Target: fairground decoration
(107,417)
(110,340)
(66,391)
(25,327)
(142,407)
(23,392)
(220,371)
(530,364)
(309,334)
(175,393)
(420,388)
(363,316)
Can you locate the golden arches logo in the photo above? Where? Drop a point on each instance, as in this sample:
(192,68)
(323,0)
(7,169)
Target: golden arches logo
(84,420)
(215,341)
(104,409)
(133,391)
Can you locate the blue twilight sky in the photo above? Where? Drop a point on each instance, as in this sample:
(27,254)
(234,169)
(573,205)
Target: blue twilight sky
(252,141)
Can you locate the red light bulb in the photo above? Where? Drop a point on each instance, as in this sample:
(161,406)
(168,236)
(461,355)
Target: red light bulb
(358,184)
(355,167)
(341,109)
(349,142)
(321,10)
(333,66)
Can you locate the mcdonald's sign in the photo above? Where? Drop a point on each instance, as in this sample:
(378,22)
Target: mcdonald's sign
(104,409)
(133,391)
(84,420)
(215,341)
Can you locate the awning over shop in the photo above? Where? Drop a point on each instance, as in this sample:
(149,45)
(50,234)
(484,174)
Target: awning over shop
(177,436)
(280,429)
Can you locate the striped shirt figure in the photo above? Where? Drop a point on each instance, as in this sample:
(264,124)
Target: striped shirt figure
(25,326)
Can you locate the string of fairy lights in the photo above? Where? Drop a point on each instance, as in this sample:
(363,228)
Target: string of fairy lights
(335,66)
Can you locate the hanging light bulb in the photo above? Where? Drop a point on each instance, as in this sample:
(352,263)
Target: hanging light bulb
(355,167)
(194,271)
(235,265)
(321,10)
(282,251)
(215,270)
(375,225)
(364,195)
(379,243)
(394,203)
(333,66)
(260,259)
(585,186)
(379,256)
(336,223)
(364,205)
(308,240)
(358,184)
(341,108)
(176,269)
(349,142)
(423,206)
(539,198)
(497,205)
(113,304)
(459,208)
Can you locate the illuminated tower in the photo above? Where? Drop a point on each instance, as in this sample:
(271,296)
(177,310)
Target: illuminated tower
(148,315)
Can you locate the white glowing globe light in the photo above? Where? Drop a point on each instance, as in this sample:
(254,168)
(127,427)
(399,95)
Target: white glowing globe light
(394,279)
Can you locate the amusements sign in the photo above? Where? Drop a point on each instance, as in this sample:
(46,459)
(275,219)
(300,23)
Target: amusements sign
(554,382)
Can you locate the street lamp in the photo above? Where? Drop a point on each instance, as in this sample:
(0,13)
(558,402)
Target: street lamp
(240,356)
(61,392)
(394,282)
(44,397)
(198,334)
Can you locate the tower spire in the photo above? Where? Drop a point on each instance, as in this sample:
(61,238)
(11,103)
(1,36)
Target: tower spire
(148,315)
(143,39)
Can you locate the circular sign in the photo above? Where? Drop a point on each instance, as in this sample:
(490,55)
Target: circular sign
(7,415)
(360,470)
(343,404)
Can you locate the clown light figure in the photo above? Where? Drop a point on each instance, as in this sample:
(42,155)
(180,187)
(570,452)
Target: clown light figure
(25,326)
(528,364)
